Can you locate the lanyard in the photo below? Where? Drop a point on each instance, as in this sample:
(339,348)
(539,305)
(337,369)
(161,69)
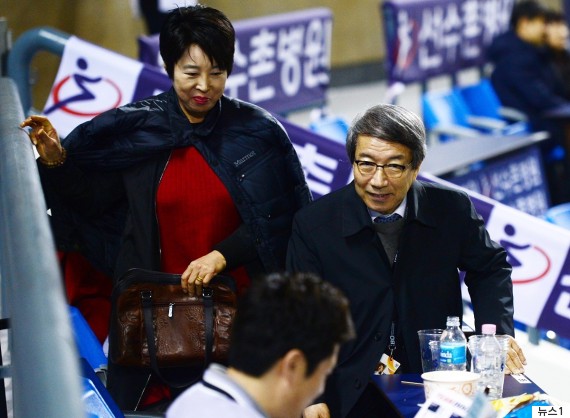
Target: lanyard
(227,395)
(392,344)
(217,389)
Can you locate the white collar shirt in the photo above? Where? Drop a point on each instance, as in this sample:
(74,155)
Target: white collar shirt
(216,396)
(400,210)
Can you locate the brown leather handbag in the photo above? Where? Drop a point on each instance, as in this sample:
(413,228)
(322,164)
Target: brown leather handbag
(156,325)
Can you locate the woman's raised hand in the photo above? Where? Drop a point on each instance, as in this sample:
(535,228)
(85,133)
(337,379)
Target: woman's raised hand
(44,136)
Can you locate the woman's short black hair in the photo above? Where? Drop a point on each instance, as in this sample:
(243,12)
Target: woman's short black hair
(198,25)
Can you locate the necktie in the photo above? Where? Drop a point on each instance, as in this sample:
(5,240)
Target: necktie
(387,219)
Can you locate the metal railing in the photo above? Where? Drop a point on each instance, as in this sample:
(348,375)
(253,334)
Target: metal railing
(45,371)
(5,41)
(26,46)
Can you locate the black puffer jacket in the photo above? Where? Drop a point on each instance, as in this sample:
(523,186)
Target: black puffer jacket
(106,190)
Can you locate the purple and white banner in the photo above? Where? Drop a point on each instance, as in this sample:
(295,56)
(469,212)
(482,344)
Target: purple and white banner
(281,62)
(427,38)
(516,180)
(324,161)
(91,80)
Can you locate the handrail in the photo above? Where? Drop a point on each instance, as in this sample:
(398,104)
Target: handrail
(4,45)
(22,53)
(44,367)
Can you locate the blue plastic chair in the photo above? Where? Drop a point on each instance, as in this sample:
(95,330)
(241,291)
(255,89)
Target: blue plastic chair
(444,108)
(469,111)
(482,100)
(559,215)
(446,115)
(332,127)
(87,343)
(96,399)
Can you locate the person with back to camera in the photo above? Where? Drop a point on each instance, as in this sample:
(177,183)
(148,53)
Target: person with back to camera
(395,246)
(189,181)
(285,341)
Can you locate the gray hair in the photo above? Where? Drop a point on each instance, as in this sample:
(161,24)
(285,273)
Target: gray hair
(390,123)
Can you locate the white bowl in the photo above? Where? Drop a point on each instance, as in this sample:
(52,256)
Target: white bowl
(461,382)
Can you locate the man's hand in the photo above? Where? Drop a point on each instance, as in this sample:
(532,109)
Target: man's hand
(515,359)
(320,410)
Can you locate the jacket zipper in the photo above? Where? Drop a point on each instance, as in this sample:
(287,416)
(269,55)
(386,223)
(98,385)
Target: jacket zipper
(155,208)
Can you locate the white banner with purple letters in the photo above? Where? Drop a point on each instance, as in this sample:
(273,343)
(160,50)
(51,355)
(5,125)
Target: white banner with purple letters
(281,61)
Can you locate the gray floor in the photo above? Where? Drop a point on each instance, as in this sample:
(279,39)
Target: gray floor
(548,364)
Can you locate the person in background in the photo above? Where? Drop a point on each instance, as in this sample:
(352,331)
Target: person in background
(556,36)
(524,80)
(154,12)
(395,246)
(189,181)
(285,341)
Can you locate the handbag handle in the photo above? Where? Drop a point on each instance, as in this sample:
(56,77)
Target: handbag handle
(146,298)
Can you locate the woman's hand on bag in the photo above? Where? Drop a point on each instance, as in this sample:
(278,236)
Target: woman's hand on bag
(44,136)
(319,410)
(201,271)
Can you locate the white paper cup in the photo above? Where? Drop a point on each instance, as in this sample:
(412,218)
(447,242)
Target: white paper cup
(457,381)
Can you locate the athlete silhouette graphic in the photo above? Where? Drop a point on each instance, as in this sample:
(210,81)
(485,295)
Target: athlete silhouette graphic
(507,245)
(80,81)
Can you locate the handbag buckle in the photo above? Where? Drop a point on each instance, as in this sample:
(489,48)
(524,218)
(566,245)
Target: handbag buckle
(207,292)
(146,295)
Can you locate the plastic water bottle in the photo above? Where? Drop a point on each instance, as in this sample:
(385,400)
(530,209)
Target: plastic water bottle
(453,345)
(487,362)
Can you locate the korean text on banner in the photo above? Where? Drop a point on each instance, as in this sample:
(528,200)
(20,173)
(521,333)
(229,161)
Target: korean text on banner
(427,38)
(281,61)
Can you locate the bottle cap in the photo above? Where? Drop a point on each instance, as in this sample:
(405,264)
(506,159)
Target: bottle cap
(452,320)
(489,328)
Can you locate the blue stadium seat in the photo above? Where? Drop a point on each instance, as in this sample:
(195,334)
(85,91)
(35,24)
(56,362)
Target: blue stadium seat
(470,111)
(446,115)
(98,402)
(96,399)
(559,215)
(481,100)
(332,127)
(88,345)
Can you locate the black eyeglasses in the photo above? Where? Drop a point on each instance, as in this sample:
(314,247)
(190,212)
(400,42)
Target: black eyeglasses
(393,171)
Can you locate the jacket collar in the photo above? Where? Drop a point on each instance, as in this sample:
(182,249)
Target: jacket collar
(355,215)
(186,133)
(419,207)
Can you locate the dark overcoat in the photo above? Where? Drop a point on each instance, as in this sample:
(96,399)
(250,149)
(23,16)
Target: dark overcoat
(442,235)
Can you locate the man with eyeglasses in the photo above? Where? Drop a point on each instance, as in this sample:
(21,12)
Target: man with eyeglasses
(395,245)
